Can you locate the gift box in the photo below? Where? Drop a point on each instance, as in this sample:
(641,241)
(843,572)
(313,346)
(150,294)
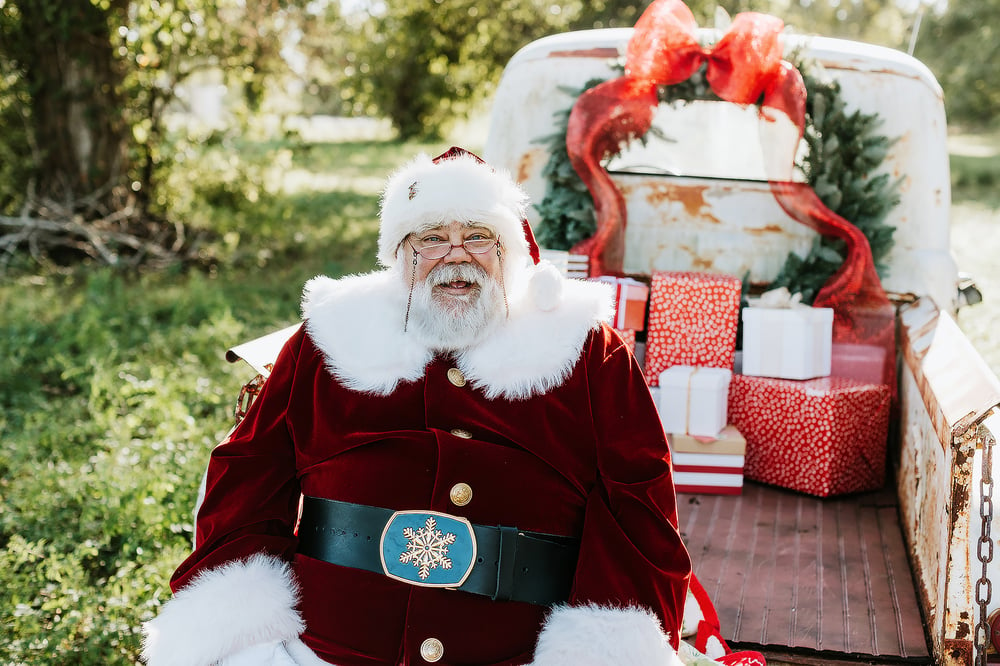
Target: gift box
(824,436)
(631,297)
(693,400)
(708,466)
(787,343)
(628,336)
(692,321)
(864,363)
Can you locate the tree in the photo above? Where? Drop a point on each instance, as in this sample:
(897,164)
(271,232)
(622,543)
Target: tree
(88,83)
(422,63)
(873,21)
(60,55)
(962,48)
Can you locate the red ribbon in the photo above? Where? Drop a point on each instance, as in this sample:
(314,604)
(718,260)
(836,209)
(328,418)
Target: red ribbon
(744,67)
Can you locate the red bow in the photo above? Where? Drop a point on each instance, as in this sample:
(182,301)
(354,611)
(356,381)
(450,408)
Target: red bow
(745,67)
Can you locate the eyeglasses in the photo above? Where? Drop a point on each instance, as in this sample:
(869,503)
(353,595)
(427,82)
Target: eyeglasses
(440,250)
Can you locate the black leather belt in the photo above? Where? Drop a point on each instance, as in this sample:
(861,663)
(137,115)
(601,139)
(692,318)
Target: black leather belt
(510,564)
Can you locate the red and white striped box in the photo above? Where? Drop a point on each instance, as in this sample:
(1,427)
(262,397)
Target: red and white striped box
(708,466)
(824,436)
(631,297)
(692,321)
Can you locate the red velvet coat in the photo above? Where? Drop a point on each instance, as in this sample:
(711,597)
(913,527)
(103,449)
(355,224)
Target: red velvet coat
(574,449)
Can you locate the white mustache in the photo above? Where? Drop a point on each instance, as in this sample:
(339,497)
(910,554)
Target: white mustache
(445,273)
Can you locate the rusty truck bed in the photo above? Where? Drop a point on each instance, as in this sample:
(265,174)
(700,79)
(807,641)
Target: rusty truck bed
(807,580)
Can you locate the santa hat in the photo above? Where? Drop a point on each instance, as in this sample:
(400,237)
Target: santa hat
(459,186)
(454,186)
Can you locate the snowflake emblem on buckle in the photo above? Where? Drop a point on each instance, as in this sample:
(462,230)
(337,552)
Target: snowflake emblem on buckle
(427,548)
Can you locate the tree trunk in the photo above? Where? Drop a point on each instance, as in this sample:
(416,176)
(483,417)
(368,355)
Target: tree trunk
(74,80)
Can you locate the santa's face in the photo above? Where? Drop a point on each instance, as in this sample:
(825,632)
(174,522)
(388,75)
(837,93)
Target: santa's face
(455,243)
(457,286)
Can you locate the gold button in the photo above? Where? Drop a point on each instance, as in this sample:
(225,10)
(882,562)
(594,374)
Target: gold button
(456,377)
(461,494)
(464,434)
(432,650)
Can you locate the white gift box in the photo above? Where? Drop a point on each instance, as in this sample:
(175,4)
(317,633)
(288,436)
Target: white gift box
(693,400)
(787,343)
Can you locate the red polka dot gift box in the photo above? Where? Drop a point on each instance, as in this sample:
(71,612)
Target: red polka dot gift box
(824,436)
(692,321)
(628,335)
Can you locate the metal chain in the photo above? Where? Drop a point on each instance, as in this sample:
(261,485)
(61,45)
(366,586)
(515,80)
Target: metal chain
(984,549)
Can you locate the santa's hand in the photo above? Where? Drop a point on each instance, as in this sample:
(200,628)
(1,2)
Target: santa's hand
(603,636)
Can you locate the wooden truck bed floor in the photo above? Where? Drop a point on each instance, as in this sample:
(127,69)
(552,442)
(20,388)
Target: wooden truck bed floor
(806,580)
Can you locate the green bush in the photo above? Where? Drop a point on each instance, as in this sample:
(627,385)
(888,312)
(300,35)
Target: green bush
(117,393)
(114,388)
(976,178)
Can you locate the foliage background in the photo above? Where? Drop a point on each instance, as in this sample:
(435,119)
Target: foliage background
(113,390)
(112,385)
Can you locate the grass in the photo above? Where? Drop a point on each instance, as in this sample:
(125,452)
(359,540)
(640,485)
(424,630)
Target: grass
(113,389)
(975,169)
(975,234)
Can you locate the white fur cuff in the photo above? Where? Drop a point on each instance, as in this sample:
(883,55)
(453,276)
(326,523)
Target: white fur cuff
(603,636)
(222,611)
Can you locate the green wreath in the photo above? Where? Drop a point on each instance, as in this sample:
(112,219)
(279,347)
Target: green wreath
(843,151)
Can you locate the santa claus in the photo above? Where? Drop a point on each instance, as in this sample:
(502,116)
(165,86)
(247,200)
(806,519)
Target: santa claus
(482,472)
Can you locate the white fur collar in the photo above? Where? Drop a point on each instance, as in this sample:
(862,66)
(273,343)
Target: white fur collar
(357,322)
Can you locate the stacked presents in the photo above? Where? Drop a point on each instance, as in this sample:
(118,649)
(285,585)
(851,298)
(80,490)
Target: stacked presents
(690,349)
(812,430)
(795,411)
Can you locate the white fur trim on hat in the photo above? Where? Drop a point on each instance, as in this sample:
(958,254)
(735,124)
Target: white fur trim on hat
(546,286)
(424,194)
(594,635)
(223,611)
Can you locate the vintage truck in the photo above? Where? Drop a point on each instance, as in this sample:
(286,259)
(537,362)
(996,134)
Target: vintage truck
(895,576)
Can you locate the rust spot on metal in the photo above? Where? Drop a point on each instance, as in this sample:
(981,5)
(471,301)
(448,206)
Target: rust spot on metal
(959,651)
(959,498)
(765,230)
(899,298)
(691,197)
(963,424)
(963,630)
(701,264)
(526,166)
(605,52)
(961,456)
(855,65)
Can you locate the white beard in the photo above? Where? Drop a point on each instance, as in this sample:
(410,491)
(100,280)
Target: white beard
(447,322)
